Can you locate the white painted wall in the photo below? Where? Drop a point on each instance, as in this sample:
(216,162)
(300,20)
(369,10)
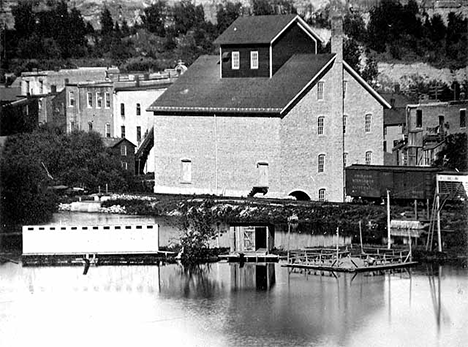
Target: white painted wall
(102,239)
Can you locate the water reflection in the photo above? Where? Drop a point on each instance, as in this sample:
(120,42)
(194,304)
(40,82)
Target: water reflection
(223,304)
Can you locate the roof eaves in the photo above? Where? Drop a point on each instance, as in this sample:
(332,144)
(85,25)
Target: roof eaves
(366,85)
(230,110)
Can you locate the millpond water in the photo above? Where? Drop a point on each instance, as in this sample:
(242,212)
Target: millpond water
(225,304)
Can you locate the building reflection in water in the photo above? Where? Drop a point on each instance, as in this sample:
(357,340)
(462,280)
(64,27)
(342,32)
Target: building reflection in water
(252,276)
(223,304)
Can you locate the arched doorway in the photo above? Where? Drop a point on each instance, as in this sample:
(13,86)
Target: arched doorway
(300,195)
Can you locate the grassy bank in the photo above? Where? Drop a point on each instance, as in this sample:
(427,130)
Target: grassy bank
(318,218)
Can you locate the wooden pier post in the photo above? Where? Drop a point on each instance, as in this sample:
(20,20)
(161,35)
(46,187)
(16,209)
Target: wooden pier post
(388,219)
(360,235)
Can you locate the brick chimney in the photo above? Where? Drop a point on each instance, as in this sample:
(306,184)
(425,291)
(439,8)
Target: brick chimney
(337,146)
(336,14)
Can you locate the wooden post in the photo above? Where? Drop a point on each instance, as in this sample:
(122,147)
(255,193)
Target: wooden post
(388,219)
(289,239)
(415,209)
(337,241)
(360,235)
(428,213)
(439,237)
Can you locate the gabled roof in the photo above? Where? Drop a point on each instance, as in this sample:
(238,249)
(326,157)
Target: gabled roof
(261,29)
(395,116)
(112,142)
(201,90)
(9,94)
(366,85)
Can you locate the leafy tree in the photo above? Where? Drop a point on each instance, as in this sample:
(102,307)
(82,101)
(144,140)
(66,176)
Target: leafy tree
(227,13)
(153,19)
(354,27)
(107,23)
(187,16)
(198,229)
(454,153)
(24,19)
(321,18)
(370,70)
(25,198)
(262,8)
(352,53)
(457,39)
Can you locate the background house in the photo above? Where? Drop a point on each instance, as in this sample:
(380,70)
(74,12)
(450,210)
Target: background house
(124,150)
(427,127)
(267,115)
(133,94)
(394,124)
(89,107)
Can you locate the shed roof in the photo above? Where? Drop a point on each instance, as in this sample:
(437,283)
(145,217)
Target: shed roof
(201,90)
(260,29)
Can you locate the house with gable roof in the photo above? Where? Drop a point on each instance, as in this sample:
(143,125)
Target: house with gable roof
(267,115)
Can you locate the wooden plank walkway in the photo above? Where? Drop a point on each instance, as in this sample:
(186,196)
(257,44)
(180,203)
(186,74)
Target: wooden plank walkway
(344,260)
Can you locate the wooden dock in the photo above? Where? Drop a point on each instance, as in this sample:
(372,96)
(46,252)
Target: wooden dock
(344,260)
(250,257)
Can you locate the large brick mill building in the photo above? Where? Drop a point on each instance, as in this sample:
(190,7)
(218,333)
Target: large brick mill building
(267,115)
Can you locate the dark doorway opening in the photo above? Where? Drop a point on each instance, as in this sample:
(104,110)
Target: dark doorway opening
(260,238)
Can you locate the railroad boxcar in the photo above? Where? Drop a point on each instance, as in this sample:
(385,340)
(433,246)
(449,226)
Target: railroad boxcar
(371,182)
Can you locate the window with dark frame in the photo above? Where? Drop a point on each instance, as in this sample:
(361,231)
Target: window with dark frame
(138,133)
(418,118)
(368,123)
(320,88)
(321,194)
(321,163)
(320,123)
